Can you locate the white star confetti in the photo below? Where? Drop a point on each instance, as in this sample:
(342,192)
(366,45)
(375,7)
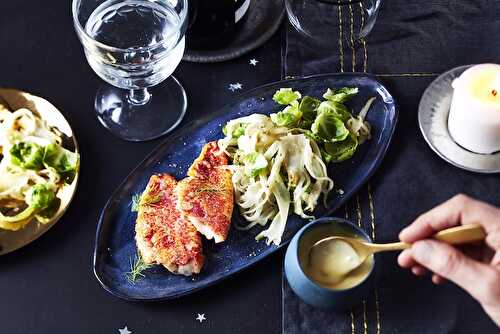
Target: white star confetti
(235,86)
(253,62)
(201,317)
(124,330)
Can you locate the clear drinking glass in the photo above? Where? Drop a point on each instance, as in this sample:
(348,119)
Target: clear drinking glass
(321,21)
(135,45)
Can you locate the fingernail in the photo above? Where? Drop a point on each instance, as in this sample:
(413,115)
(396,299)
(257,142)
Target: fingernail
(421,251)
(404,231)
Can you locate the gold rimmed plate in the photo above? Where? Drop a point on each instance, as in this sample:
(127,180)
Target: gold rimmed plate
(14,99)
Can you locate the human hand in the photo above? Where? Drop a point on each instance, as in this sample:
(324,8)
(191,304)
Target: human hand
(475,268)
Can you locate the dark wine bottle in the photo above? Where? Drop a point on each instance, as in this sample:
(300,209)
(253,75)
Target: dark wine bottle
(214,23)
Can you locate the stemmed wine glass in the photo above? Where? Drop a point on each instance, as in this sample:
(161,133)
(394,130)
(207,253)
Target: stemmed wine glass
(135,45)
(321,20)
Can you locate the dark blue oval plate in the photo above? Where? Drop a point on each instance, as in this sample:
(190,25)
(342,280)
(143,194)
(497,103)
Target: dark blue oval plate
(115,246)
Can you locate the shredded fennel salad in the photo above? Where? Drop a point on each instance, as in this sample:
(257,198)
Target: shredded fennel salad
(279,162)
(33,166)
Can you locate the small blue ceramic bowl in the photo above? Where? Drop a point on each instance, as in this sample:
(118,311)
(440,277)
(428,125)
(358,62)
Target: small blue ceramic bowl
(308,290)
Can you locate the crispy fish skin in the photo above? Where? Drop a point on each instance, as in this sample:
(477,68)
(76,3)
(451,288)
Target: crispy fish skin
(206,196)
(208,161)
(162,235)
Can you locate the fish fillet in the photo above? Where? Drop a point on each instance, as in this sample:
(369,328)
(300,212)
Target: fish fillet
(162,235)
(206,195)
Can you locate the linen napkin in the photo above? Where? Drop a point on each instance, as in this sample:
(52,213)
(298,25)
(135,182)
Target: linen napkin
(412,42)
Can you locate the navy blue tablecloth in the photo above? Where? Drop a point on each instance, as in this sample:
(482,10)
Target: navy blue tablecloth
(411,43)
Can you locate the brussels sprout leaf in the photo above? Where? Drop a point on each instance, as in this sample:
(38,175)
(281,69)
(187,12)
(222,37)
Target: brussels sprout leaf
(329,128)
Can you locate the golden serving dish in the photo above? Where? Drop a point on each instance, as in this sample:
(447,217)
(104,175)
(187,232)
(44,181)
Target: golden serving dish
(14,99)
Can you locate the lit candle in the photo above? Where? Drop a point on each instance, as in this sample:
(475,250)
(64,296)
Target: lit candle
(474,120)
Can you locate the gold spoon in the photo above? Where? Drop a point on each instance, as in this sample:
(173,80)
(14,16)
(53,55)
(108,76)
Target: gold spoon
(454,235)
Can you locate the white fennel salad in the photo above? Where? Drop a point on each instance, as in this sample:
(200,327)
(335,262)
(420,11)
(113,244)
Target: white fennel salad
(33,167)
(279,162)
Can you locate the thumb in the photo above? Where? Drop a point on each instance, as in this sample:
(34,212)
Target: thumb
(450,263)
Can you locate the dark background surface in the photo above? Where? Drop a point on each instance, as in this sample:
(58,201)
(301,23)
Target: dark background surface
(48,286)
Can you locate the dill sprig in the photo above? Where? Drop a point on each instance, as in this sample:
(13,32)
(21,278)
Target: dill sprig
(210,190)
(136,199)
(137,268)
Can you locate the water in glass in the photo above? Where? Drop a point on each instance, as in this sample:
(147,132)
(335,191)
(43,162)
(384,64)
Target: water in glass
(150,33)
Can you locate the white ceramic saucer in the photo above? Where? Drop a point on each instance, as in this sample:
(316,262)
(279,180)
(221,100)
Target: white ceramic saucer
(433,113)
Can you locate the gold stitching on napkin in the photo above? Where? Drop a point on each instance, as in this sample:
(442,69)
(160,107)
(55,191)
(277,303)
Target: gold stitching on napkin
(353,328)
(407,74)
(341,47)
(372,222)
(363,42)
(359,213)
(377,314)
(358,210)
(372,211)
(365,324)
(351,17)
